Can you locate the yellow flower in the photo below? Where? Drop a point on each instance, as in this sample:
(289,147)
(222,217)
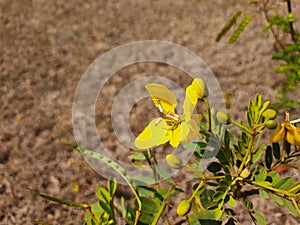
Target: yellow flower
(173,128)
(288,132)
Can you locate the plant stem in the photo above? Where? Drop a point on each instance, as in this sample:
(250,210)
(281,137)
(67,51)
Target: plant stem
(137,216)
(250,145)
(296,205)
(277,41)
(89,211)
(209,113)
(292,31)
(200,185)
(295,188)
(162,207)
(268,187)
(241,126)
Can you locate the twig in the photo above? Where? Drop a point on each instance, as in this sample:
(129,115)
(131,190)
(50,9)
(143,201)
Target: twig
(292,31)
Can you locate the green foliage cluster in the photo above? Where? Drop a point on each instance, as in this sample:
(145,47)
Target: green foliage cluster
(289,52)
(240,161)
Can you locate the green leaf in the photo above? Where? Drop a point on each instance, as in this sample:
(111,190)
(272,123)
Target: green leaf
(260,175)
(148,206)
(289,206)
(109,162)
(112,186)
(206,199)
(228,25)
(58,200)
(276,150)
(143,180)
(103,195)
(240,29)
(248,204)
(214,167)
(164,174)
(231,201)
(218,213)
(256,156)
(291,48)
(203,215)
(97,212)
(276,199)
(123,208)
(264,194)
(258,101)
(268,157)
(288,68)
(274,177)
(145,218)
(284,183)
(259,218)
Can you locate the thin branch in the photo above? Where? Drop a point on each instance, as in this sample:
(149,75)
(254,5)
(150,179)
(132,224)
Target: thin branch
(265,11)
(292,31)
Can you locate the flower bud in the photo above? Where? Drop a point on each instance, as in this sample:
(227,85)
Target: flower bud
(271,124)
(223,117)
(200,87)
(269,114)
(174,161)
(183,208)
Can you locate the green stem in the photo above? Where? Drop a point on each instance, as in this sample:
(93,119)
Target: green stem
(296,205)
(209,114)
(241,126)
(162,207)
(268,187)
(200,185)
(137,216)
(295,188)
(250,145)
(89,211)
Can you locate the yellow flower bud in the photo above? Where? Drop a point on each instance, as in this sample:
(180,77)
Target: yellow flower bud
(269,114)
(174,161)
(271,124)
(223,117)
(183,208)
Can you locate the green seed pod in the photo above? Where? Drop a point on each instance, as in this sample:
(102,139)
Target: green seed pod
(271,124)
(174,161)
(269,114)
(223,117)
(184,207)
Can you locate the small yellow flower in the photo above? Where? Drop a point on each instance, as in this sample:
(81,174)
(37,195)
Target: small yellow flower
(288,132)
(173,128)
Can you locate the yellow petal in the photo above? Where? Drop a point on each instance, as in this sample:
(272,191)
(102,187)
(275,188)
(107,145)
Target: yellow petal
(193,130)
(175,136)
(279,133)
(292,134)
(197,90)
(154,134)
(188,107)
(297,136)
(162,97)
